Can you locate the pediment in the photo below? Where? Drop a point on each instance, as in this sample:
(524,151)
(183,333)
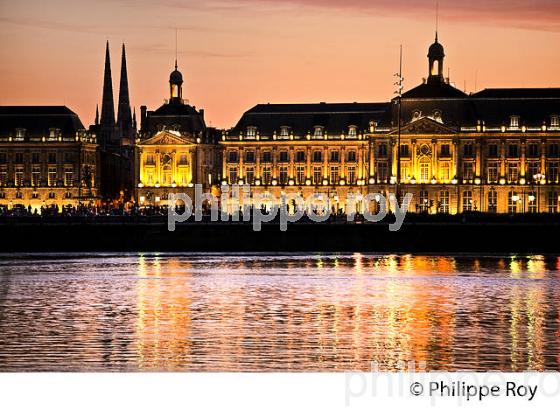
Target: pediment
(426,125)
(166,138)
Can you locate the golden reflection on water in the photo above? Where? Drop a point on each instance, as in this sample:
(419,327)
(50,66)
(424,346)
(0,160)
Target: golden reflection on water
(155,312)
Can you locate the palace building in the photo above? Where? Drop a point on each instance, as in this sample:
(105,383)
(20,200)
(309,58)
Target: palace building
(497,150)
(174,150)
(47,158)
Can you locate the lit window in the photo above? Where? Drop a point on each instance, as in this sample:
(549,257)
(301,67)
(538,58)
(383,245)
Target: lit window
(251,132)
(284,132)
(352,132)
(555,121)
(514,121)
(318,133)
(20,134)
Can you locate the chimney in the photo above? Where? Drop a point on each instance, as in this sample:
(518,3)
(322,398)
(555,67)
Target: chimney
(143,109)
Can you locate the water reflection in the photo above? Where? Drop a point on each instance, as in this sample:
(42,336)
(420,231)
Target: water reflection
(212,312)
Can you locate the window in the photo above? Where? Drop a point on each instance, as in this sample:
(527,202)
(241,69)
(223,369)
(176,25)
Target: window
(68,157)
(317,175)
(513,151)
(514,121)
(284,132)
(35,195)
(468,151)
(468,171)
(35,158)
(335,156)
(555,121)
(532,199)
(52,195)
(351,174)
(20,134)
(2,195)
(251,132)
(492,201)
(513,198)
(283,175)
(19,195)
(424,172)
(552,151)
(382,171)
(467,201)
(3,158)
(183,159)
(68,177)
(150,160)
(300,156)
(533,151)
(351,156)
(167,170)
(444,202)
(283,156)
(250,156)
(352,132)
(445,174)
(492,172)
(300,175)
(553,202)
(317,156)
(233,175)
(52,158)
(512,172)
(493,151)
(19,176)
(382,150)
(36,176)
(445,151)
(267,157)
(3,177)
(405,151)
(424,204)
(232,156)
(532,170)
(552,172)
(318,133)
(68,195)
(19,158)
(267,175)
(334,175)
(53,133)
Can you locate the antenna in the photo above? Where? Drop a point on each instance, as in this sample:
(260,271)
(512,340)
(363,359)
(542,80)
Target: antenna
(475,80)
(176,35)
(437,19)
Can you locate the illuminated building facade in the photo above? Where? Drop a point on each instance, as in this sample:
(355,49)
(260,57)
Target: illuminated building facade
(47,158)
(497,150)
(175,150)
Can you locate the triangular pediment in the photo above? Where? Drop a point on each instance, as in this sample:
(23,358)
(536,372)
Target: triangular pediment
(426,125)
(166,138)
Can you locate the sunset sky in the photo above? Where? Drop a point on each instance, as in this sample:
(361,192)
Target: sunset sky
(236,53)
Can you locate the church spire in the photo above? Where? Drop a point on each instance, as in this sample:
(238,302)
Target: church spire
(97,114)
(124,117)
(107,104)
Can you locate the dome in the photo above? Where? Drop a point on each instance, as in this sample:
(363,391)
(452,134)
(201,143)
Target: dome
(176,77)
(436,50)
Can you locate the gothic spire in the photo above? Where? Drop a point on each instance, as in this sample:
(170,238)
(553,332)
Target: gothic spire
(124,117)
(97,114)
(107,104)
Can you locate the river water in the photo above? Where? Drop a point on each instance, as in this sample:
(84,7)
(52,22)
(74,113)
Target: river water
(290,313)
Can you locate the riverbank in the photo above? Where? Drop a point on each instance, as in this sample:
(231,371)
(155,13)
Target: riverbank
(527,234)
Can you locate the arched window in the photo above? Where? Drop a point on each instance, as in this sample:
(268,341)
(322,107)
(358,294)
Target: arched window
(167,170)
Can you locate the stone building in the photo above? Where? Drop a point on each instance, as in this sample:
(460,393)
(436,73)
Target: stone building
(175,149)
(47,158)
(496,150)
